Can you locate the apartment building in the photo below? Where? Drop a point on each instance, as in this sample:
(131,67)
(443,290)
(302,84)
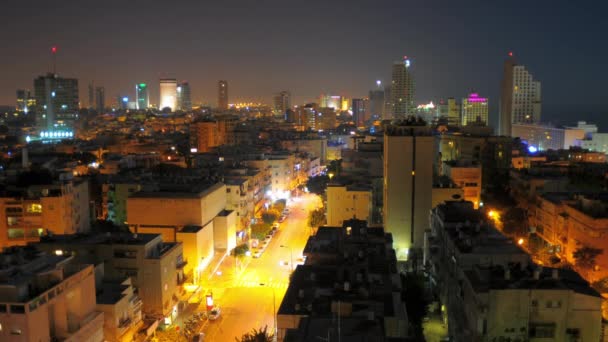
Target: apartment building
(28,212)
(346,202)
(351,273)
(121,308)
(467,176)
(156,268)
(47,297)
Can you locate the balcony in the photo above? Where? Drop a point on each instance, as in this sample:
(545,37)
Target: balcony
(180,264)
(89,327)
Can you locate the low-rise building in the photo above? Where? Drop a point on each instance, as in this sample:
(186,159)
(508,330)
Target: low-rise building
(121,308)
(467,176)
(346,202)
(47,298)
(28,212)
(156,268)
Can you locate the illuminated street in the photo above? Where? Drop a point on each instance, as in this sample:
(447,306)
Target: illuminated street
(246,300)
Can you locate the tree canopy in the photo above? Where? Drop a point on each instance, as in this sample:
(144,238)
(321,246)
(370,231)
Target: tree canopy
(261,335)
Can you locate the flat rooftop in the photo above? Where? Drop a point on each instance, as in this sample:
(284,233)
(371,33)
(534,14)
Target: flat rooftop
(100,238)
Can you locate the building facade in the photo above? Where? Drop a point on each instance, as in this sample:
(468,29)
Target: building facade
(474,110)
(184,101)
(402,89)
(222,96)
(168,94)
(141,96)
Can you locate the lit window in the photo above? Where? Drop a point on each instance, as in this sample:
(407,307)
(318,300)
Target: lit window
(34,208)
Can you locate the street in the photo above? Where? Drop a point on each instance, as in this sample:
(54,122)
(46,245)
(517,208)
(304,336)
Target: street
(245,290)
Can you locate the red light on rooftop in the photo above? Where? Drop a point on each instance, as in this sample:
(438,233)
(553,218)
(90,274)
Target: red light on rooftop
(510,53)
(54,49)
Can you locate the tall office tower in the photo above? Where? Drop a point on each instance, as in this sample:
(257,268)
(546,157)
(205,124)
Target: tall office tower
(141,96)
(409,152)
(168,93)
(222,96)
(25,101)
(520,99)
(56,99)
(91,95)
(402,91)
(474,109)
(360,111)
(123,102)
(330,101)
(100,99)
(376,101)
(184,101)
(282,102)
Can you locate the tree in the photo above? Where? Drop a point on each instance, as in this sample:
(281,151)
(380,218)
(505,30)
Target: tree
(316,217)
(255,335)
(515,222)
(270,216)
(317,184)
(279,205)
(260,230)
(240,250)
(585,257)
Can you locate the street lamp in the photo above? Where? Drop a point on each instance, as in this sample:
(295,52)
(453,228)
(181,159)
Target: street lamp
(290,255)
(274,312)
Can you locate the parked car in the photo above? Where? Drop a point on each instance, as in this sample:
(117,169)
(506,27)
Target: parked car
(275,226)
(214,314)
(257,254)
(282,218)
(200,337)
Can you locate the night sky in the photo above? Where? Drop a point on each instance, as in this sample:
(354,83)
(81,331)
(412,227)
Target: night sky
(309,47)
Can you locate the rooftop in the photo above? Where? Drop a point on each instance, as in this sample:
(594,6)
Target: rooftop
(115,238)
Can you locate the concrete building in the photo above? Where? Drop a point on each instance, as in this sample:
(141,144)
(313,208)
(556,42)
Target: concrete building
(222,95)
(544,137)
(57,103)
(346,202)
(114,200)
(47,298)
(100,99)
(474,110)
(361,112)
(520,99)
(182,209)
(168,94)
(376,102)
(402,89)
(596,142)
(350,272)
(467,176)
(204,136)
(409,154)
(282,173)
(156,268)
(27,213)
(239,198)
(121,308)
(315,146)
(282,103)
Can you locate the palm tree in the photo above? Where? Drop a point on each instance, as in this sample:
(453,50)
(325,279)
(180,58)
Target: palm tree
(256,335)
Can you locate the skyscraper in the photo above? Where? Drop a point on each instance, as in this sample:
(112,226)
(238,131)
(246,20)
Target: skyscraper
(100,99)
(184,101)
(168,94)
(330,101)
(402,89)
(520,99)
(91,95)
(222,97)
(360,111)
(376,101)
(25,101)
(56,99)
(409,152)
(282,102)
(474,109)
(141,96)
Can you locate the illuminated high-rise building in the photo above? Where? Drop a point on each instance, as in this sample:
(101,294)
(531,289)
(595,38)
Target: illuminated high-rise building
(56,100)
(91,95)
(520,100)
(330,101)
(474,109)
(25,101)
(282,102)
(100,99)
(222,96)
(376,101)
(141,96)
(184,101)
(360,111)
(409,152)
(402,89)
(168,94)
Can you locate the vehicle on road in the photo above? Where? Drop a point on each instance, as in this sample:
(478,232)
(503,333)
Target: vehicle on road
(200,337)
(275,226)
(282,218)
(214,314)
(257,254)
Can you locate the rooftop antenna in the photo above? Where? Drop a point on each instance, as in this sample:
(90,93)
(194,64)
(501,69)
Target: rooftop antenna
(53,55)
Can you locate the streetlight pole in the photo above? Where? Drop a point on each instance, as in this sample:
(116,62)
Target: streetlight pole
(274,313)
(290,256)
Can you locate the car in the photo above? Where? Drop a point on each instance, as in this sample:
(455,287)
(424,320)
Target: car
(257,254)
(275,226)
(282,218)
(200,337)
(214,314)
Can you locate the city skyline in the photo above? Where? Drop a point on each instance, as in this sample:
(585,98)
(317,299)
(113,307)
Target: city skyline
(240,55)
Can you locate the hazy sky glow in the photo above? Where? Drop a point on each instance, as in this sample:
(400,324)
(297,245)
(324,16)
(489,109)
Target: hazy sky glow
(307,47)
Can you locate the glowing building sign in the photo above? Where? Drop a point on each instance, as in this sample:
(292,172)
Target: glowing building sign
(474,97)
